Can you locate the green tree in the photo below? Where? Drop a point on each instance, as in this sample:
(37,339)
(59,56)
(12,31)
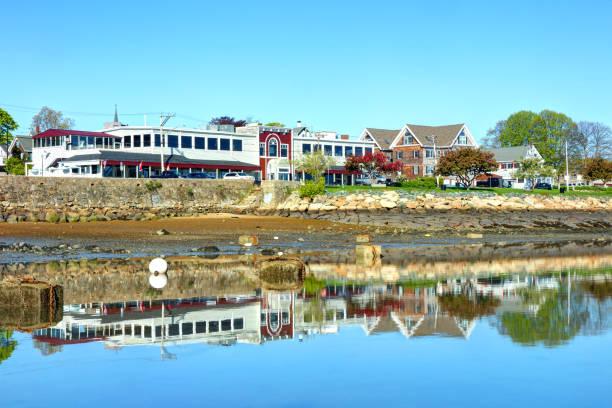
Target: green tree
(315,164)
(275,124)
(531,169)
(7,126)
(14,165)
(7,344)
(466,164)
(518,130)
(48,118)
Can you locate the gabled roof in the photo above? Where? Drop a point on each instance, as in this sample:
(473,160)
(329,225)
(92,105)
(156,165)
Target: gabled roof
(444,135)
(510,154)
(24,141)
(69,132)
(383,137)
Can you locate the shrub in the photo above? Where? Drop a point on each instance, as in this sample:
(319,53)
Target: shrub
(312,188)
(421,182)
(153,186)
(15,166)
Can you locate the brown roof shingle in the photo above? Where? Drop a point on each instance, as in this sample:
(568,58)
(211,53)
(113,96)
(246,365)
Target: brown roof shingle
(444,134)
(383,137)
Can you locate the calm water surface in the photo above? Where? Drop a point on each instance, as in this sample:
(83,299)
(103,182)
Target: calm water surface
(498,339)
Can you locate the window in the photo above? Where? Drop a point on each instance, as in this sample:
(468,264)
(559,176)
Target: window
(273,148)
(187,328)
(317,147)
(127,141)
(200,327)
(213,327)
(408,138)
(225,144)
(157,140)
(327,150)
(239,324)
(173,141)
(429,170)
(283,174)
(173,329)
(306,148)
(74,142)
(368,150)
(200,143)
(348,151)
(415,170)
(99,143)
(237,145)
(226,325)
(136,140)
(429,153)
(146,140)
(212,143)
(284,150)
(399,155)
(186,142)
(462,139)
(416,154)
(359,151)
(337,150)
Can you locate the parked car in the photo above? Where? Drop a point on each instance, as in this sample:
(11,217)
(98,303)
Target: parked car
(198,176)
(391,183)
(238,176)
(167,174)
(363,181)
(543,186)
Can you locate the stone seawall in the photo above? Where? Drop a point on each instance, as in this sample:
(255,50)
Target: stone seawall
(82,200)
(405,211)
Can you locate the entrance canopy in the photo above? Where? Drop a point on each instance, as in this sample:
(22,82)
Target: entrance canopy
(110,158)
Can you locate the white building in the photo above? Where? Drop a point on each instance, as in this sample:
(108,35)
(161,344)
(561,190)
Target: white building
(509,159)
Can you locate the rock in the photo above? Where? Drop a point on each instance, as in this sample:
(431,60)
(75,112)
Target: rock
(300,239)
(12,219)
(385,203)
(248,240)
(362,238)
(162,232)
(474,235)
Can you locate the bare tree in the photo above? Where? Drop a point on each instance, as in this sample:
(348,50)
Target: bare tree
(596,139)
(492,139)
(48,118)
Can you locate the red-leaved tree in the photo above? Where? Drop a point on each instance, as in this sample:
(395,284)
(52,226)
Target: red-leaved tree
(466,164)
(372,164)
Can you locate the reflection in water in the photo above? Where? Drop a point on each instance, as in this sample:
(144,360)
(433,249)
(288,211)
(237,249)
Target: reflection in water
(7,344)
(530,309)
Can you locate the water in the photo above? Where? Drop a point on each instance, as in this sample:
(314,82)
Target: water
(378,335)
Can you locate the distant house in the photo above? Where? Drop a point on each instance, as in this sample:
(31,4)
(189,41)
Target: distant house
(509,159)
(418,147)
(21,147)
(382,138)
(3,156)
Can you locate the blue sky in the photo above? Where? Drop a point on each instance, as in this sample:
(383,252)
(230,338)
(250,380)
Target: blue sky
(334,65)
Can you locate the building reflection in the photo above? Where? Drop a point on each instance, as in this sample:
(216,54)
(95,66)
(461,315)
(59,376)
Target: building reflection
(449,308)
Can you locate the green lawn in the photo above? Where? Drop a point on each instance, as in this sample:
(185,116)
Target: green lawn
(452,190)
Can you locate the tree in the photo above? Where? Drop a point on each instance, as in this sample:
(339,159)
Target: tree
(372,164)
(493,140)
(531,169)
(227,120)
(466,164)
(275,124)
(598,169)
(7,126)
(14,165)
(48,118)
(517,130)
(315,164)
(596,140)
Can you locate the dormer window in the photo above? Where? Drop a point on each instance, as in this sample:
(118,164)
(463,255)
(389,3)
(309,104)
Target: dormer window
(408,138)
(462,139)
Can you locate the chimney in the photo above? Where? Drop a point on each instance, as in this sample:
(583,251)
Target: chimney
(298,124)
(344,137)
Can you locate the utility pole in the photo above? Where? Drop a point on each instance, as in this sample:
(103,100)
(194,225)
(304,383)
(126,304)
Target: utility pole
(433,137)
(163,119)
(566,167)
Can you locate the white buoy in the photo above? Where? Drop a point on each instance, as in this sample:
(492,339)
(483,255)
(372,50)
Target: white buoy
(275,237)
(158,265)
(158,280)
